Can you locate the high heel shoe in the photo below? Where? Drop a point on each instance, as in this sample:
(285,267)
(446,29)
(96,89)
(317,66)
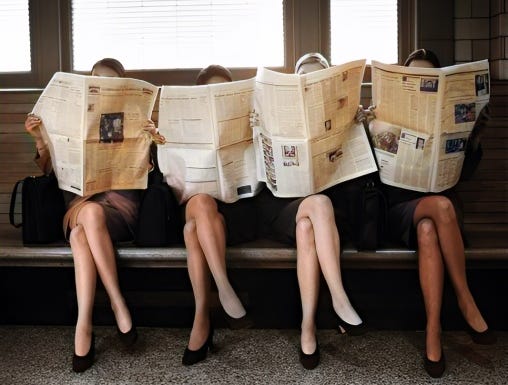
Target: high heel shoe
(487,337)
(129,338)
(82,363)
(352,330)
(191,357)
(310,361)
(244,322)
(435,369)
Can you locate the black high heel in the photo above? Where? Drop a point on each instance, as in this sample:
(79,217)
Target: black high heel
(310,361)
(191,357)
(435,369)
(244,322)
(352,330)
(129,338)
(82,363)
(487,337)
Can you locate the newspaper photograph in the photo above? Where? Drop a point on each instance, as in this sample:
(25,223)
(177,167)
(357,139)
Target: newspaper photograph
(93,127)
(209,146)
(424,117)
(304,131)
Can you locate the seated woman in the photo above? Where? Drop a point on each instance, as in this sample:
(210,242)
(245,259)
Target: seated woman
(429,222)
(209,224)
(93,223)
(310,223)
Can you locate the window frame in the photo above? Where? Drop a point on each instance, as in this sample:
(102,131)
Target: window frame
(407,18)
(306,29)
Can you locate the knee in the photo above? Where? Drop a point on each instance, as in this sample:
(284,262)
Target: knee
(426,232)
(92,213)
(201,204)
(77,235)
(303,228)
(189,230)
(445,209)
(318,204)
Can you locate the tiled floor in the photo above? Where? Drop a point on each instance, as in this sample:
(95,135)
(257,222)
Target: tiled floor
(42,355)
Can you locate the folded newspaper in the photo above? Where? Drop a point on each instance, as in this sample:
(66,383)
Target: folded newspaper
(209,147)
(305,132)
(93,127)
(424,117)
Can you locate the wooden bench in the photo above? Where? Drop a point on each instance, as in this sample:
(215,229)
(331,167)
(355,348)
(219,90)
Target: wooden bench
(485,202)
(38,287)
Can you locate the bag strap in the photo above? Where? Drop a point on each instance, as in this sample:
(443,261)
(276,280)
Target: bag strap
(14,194)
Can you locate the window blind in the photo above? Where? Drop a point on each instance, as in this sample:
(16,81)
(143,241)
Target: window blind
(15,32)
(162,34)
(364,29)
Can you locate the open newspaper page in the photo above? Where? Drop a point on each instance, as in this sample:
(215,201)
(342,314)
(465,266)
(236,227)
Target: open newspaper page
(93,126)
(304,129)
(424,117)
(209,145)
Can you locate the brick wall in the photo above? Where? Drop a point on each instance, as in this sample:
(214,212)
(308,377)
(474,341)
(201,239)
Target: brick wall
(481,32)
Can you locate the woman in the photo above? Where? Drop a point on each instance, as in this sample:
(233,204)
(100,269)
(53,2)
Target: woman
(92,225)
(209,223)
(310,223)
(429,222)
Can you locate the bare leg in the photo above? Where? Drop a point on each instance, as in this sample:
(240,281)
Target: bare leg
(210,230)
(307,267)
(85,275)
(200,279)
(431,271)
(93,221)
(319,210)
(442,213)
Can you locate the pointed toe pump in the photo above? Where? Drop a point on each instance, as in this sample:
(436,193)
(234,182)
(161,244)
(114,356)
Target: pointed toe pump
(191,357)
(82,363)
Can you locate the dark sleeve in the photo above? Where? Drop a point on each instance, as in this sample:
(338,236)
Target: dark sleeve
(474,151)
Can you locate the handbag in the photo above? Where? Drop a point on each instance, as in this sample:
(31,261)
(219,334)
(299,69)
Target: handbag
(42,209)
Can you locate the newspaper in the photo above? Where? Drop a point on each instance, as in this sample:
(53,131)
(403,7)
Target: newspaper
(424,117)
(209,146)
(305,132)
(93,129)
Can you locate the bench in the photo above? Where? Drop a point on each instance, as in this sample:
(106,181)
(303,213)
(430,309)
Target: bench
(485,199)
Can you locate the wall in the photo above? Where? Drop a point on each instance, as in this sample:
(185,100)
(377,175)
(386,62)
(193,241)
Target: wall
(481,32)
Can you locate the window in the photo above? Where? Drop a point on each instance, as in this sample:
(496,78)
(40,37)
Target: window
(366,29)
(14,22)
(151,34)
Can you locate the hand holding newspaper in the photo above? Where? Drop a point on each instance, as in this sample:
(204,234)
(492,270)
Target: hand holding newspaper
(424,117)
(93,127)
(209,145)
(305,132)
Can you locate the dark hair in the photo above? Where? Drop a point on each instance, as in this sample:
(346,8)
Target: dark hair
(213,70)
(114,64)
(423,54)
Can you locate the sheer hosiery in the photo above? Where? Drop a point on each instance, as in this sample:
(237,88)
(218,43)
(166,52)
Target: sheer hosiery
(442,213)
(319,210)
(211,235)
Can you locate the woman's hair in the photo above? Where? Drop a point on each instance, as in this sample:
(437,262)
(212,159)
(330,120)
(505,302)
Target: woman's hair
(213,70)
(312,57)
(114,64)
(423,54)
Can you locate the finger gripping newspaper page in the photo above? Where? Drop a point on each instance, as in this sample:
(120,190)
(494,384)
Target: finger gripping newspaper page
(93,127)
(209,147)
(424,118)
(305,132)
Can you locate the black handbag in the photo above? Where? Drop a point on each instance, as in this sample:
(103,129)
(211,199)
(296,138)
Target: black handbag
(42,209)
